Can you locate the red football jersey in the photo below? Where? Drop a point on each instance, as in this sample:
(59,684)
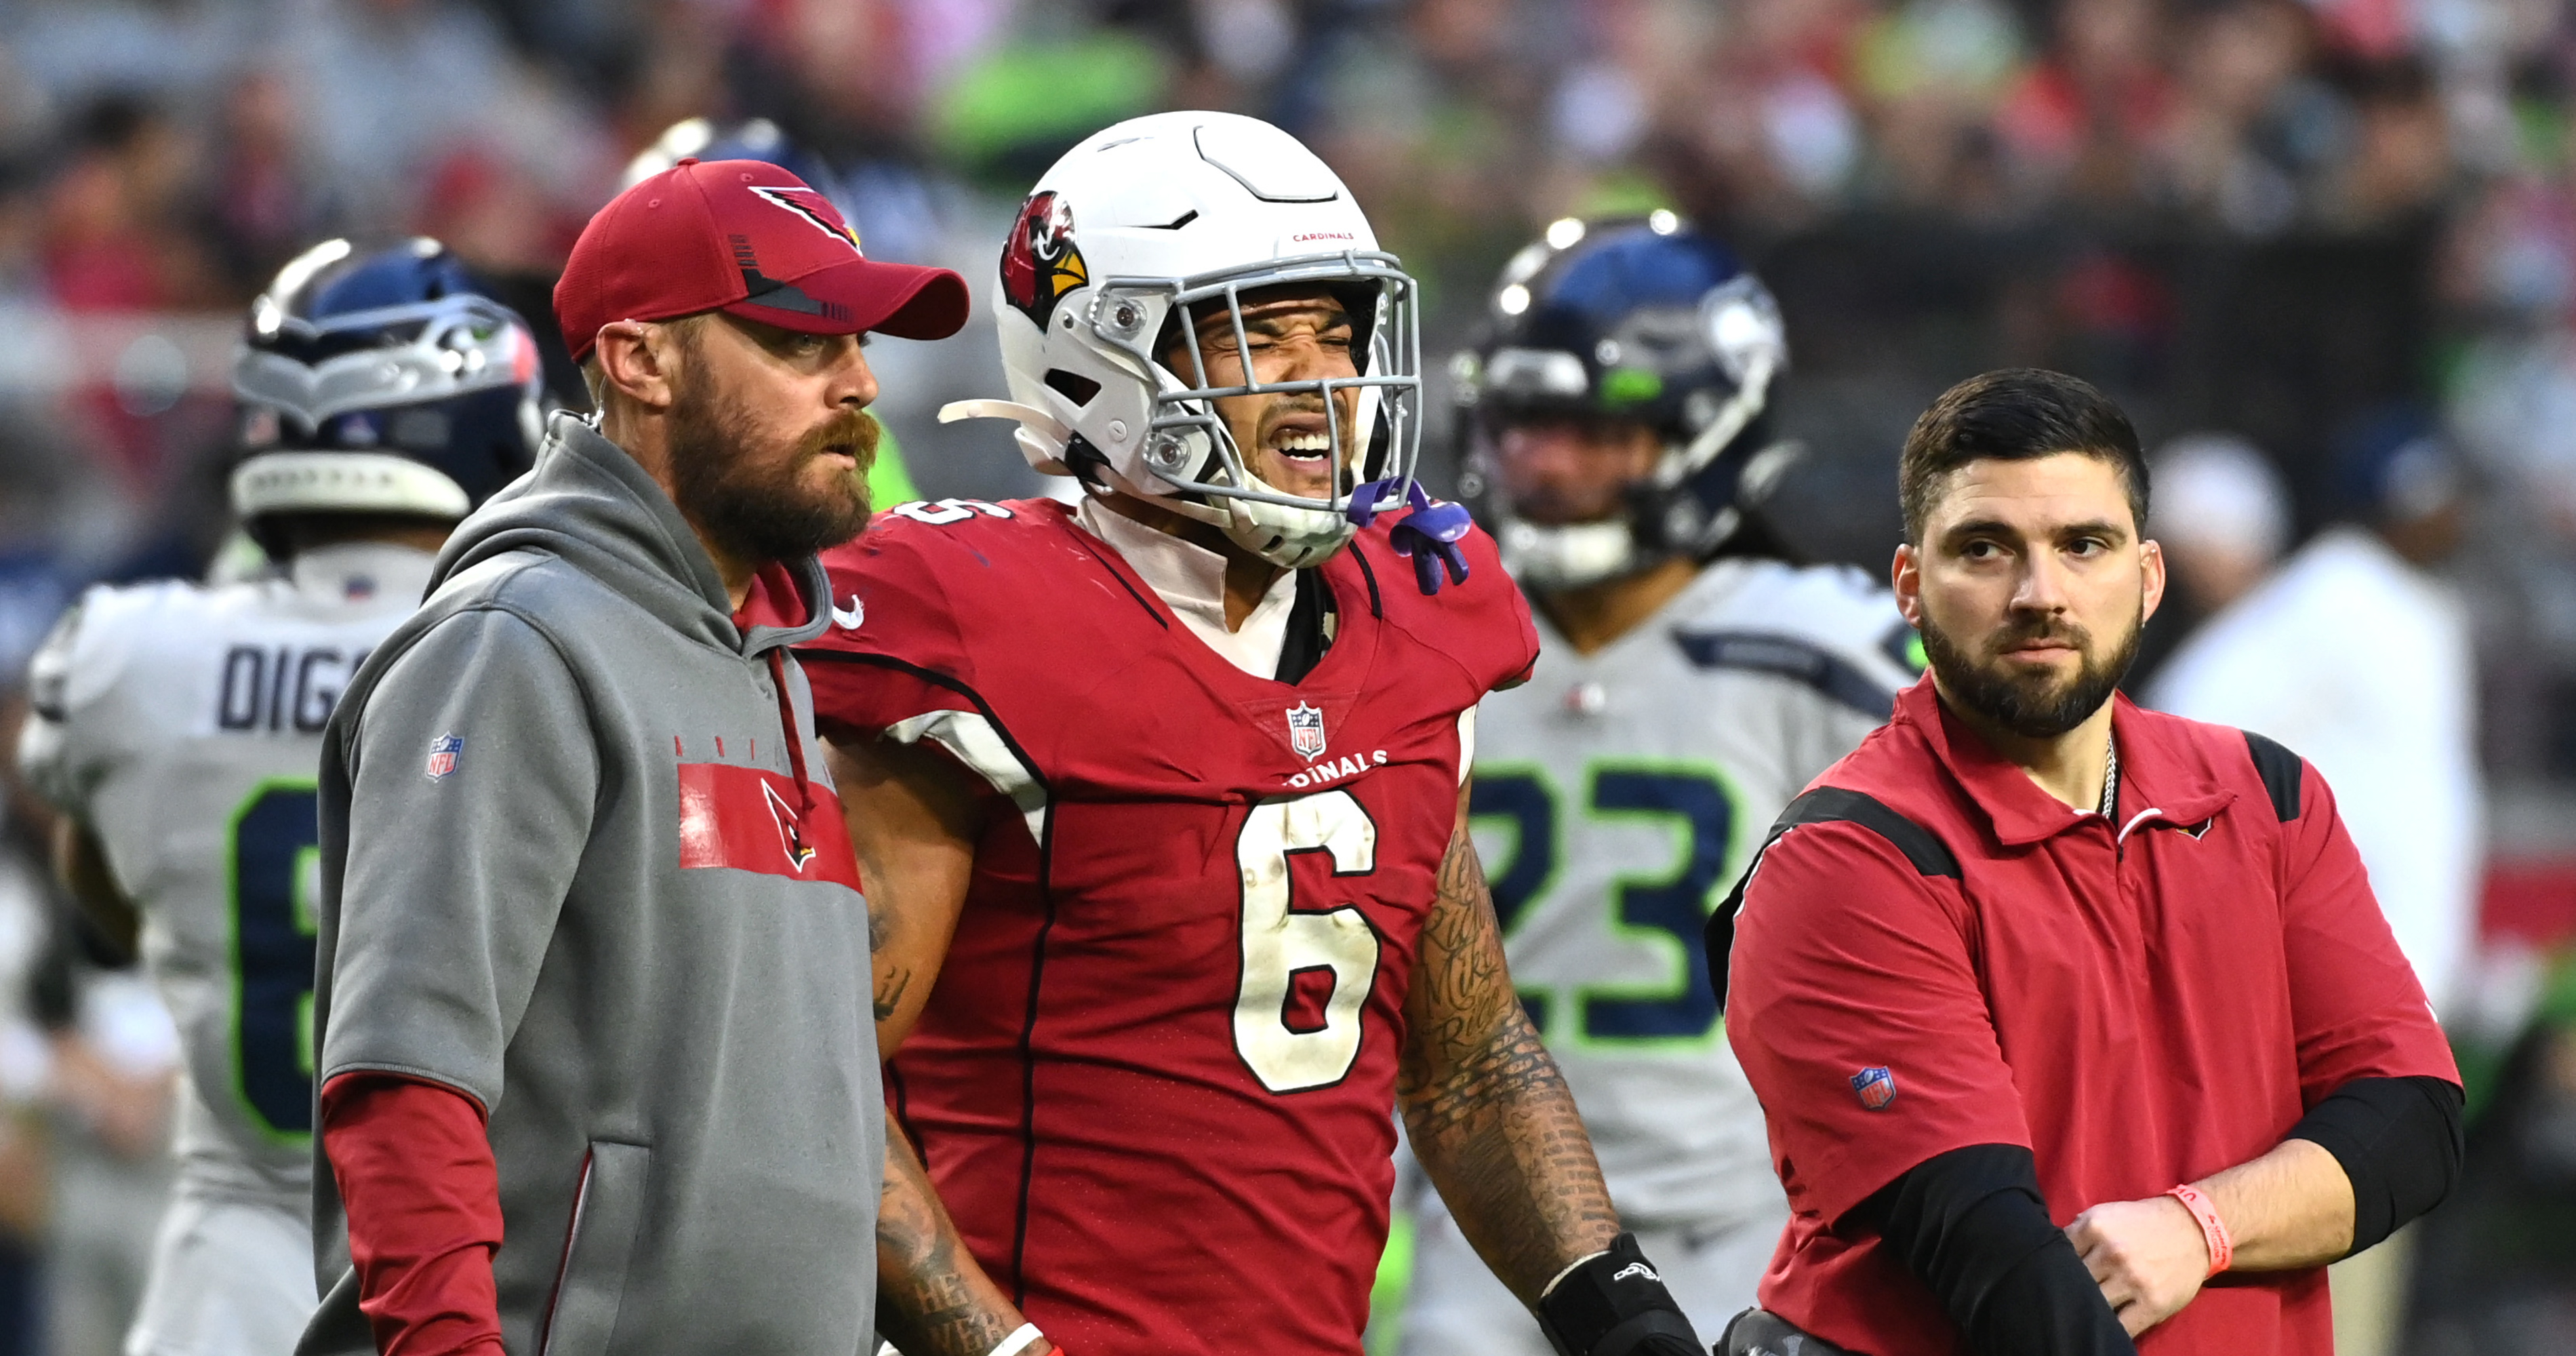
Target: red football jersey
(1154,1082)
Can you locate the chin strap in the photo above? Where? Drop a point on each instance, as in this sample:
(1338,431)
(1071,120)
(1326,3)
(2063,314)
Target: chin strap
(1429,534)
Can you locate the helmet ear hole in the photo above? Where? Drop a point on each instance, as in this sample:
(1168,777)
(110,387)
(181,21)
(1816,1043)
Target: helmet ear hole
(1072,386)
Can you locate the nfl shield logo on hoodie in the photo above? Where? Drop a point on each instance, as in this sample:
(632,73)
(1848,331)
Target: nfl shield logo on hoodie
(443,753)
(1306,731)
(1876,1086)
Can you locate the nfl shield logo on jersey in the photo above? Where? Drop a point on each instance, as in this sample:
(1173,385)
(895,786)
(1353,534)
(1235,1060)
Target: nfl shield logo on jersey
(1876,1086)
(443,753)
(1306,731)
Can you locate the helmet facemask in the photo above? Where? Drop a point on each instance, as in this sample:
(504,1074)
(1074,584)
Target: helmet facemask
(1188,218)
(1371,418)
(1688,504)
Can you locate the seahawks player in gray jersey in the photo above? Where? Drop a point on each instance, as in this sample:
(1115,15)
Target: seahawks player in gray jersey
(1692,681)
(178,728)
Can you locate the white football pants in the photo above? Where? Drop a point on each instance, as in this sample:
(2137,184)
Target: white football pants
(229,1278)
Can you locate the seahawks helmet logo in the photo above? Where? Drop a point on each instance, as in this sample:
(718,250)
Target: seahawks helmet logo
(1040,262)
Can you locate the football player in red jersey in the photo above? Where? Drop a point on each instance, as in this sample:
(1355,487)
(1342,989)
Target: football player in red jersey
(1159,803)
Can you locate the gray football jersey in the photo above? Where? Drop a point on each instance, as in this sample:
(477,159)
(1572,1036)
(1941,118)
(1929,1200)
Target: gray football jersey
(1617,796)
(182,725)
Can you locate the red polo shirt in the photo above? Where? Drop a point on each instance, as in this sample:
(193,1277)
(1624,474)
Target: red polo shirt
(2139,1004)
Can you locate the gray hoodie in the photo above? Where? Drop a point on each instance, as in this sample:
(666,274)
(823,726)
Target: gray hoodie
(570,868)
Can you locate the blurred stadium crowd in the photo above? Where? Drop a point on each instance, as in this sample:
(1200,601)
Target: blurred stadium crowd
(2297,223)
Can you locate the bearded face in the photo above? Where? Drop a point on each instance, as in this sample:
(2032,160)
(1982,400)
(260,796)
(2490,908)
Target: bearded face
(1989,676)
(2031,588)
(757,496)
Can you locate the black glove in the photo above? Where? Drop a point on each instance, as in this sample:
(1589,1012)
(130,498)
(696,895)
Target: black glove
(1615,1305)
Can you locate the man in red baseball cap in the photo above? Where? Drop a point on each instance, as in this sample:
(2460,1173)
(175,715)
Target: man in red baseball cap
(593,960)
(714,309)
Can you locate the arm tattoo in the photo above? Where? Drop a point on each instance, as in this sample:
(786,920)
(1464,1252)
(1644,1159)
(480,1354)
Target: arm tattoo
(1488,1113)
(891,980)
(889,993)
(880,928)
(932,1299)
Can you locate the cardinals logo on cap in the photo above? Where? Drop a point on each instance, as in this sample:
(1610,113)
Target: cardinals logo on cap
(1040,262)
(810,204)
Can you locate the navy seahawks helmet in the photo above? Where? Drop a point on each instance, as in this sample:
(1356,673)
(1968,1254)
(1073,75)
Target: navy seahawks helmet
(1641,319)
(381,382)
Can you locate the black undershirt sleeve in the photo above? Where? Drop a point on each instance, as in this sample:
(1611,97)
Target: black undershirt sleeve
(1972,1225)
(2398,1140)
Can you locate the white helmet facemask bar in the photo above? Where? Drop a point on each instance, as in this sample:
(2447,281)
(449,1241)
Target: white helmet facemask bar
(1188,445)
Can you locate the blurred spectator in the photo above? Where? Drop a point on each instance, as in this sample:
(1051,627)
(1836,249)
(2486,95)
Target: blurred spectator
(1934,69)
(390,89)
(2222,515)
(2357,655)
(21,230)
(495,215)
(264,202)
(2401,150)
(72,48)
(116,234)
(2253,125)
(385,86)
(2078,121)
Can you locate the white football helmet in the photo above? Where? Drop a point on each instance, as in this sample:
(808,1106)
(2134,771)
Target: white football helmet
(1194,210)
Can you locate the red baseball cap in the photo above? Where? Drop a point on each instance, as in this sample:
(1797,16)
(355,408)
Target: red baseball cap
(750,239)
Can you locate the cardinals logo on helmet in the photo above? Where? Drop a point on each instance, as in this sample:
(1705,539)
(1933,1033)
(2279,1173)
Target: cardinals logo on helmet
(1040,262)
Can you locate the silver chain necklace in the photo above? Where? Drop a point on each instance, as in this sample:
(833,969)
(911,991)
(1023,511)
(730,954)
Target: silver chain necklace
(2111,782)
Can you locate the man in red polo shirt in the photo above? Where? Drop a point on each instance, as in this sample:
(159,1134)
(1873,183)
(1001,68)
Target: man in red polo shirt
(2076,1026)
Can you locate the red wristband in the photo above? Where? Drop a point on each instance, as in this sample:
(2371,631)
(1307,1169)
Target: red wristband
(2213,1230)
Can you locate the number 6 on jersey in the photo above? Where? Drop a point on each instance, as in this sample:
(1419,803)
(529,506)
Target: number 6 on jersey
(1288,954)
